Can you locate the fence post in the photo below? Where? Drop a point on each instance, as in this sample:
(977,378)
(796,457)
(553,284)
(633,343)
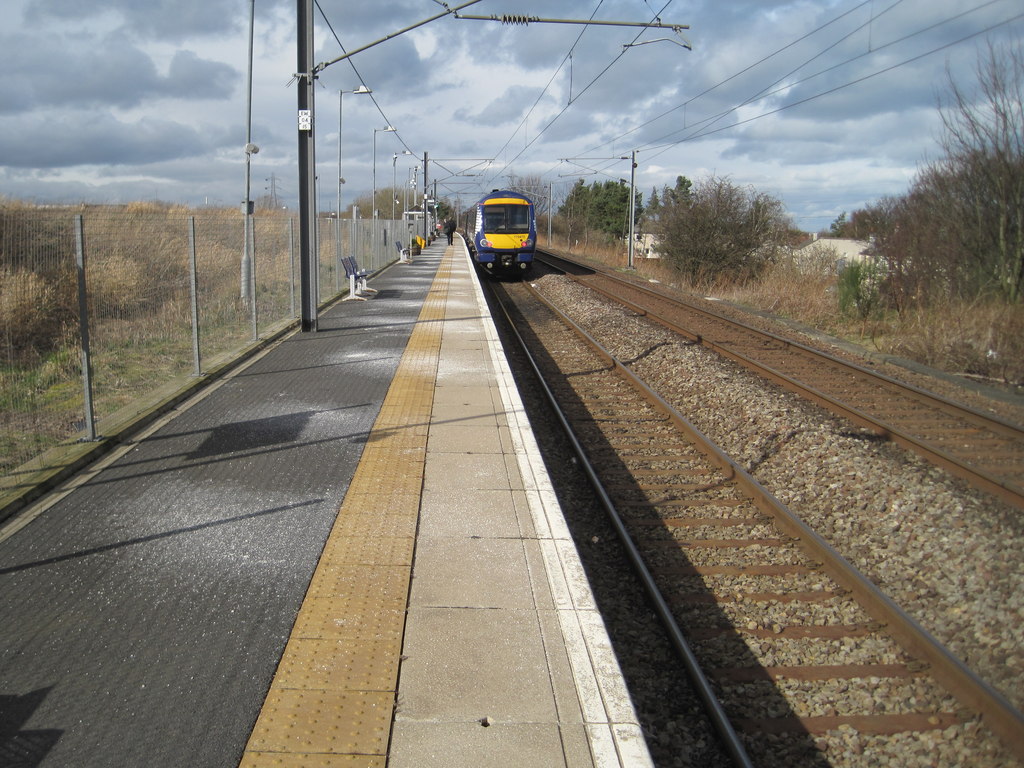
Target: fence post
(291,261)
(193,284)
(353,235)
(251,234)
(337,255)
(83,328)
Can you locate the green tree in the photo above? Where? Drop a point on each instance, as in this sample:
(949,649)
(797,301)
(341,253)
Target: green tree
(839,226)
(601,209)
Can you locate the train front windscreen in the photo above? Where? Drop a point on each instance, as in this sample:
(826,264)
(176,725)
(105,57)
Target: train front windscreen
(506,218)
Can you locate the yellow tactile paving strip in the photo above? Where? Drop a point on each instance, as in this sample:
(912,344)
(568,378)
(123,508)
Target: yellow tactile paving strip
(332,698)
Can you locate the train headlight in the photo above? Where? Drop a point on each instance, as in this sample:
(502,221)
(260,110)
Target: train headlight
(527,243)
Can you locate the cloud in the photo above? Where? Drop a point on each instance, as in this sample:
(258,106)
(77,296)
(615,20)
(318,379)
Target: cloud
(136,96)
(169,20)
(506,107)
(108,72)
(66,139)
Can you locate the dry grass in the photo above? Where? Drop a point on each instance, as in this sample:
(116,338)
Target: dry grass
(980,339)
(983,340)
(139,307)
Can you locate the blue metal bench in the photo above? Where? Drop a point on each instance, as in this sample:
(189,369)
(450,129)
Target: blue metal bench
(356,279)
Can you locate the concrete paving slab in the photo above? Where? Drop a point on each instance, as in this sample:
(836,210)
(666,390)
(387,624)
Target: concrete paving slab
(472,745)
(475,395)
(460,512)
(464,664)
(471,573)
(478,471)
(483,415)
(461,438)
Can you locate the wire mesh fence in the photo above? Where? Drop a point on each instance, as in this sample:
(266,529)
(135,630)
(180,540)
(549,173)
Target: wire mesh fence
(135,269)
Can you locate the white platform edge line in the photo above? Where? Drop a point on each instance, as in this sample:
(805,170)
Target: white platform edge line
(565,570)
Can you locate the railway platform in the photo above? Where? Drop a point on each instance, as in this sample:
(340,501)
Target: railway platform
(347,553)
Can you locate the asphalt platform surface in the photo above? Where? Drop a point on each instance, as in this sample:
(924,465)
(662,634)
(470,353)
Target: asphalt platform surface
(142,616)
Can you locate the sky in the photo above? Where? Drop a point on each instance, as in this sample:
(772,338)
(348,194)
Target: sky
(828,105)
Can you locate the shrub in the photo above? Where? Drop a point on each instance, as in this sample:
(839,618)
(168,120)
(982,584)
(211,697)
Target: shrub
(34,310)
(858,289)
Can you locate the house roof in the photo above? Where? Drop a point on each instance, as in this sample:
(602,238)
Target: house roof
(843,247)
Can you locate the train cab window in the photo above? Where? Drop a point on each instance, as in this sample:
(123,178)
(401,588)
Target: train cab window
(494,218)
(506,218)
(519,218)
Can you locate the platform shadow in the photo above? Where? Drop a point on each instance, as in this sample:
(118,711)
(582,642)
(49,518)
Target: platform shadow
(22,747)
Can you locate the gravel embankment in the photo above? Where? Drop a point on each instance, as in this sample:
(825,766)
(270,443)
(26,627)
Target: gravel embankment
(949,555)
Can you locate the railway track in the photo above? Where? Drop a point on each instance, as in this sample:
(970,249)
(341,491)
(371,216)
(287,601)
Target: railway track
(983,450)
(792,644)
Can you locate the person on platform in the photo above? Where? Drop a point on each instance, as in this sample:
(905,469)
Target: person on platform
(449,229)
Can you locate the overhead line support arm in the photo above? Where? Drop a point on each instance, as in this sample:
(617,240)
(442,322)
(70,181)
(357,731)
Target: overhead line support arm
(524,20)
(448,11)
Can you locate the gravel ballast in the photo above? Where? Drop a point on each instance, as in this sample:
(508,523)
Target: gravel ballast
(949,555)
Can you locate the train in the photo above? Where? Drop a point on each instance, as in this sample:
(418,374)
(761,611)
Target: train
(504,233)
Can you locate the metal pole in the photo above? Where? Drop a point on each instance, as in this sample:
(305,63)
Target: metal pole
(551,209)
(373,202)
(362,89)
(83,329)
(341,180)
(307,167)
(193,289)
(247,213)
(374,234)
(632,204)
(252,278)
(337,253)
(353,233)
(394,185)
(425,154)
(291,262)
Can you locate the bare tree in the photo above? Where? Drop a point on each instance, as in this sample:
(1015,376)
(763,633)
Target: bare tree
(534,188)
(981,179)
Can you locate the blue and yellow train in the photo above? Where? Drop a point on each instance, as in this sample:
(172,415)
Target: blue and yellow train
(504,233)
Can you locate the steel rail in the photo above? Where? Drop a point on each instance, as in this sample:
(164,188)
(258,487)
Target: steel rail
(963,683)
(1003,489)
(731,740)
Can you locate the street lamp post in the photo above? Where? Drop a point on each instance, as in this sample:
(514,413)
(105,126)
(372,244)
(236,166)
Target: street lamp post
(373,199)
(394,187)
(245,290)
(341,94)
(341,179)
(394,179)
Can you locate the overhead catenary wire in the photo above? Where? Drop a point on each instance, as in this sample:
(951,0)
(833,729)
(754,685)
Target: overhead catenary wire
(733,76)
(359,75)
(837,88)
(702,128)
(574,99)
(567,57)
